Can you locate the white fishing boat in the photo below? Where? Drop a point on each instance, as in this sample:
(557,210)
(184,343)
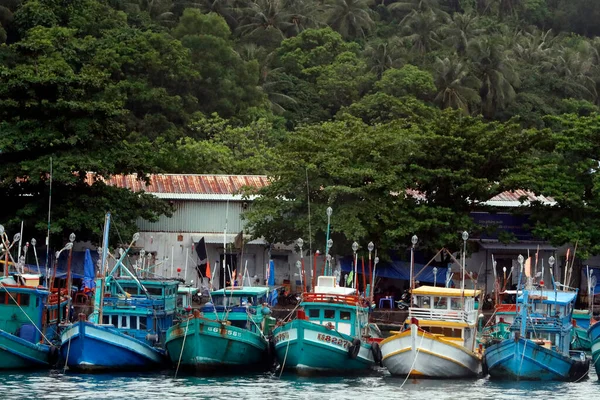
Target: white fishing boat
(441,339)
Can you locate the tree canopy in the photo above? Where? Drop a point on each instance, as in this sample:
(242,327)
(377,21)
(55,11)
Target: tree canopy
(402,115)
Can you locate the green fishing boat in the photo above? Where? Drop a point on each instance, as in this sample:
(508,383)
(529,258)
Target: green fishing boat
(230,331)
(581,323)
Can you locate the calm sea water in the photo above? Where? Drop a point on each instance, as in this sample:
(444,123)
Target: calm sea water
(57,385)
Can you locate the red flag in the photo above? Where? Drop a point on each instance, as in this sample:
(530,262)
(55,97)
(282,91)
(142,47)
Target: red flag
(207,274)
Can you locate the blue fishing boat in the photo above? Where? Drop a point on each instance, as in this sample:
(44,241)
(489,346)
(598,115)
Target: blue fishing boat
(135,317)
(29,316)
(594,335)
(230,332)
(540,339)
(129,323)
(331,333)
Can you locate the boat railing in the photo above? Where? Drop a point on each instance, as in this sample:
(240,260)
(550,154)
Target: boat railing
(330,298)
(209,308)
(144,302)
(539,323)
(468,317)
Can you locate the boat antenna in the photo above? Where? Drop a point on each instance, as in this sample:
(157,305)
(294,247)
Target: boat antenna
(309,226)
(48,231)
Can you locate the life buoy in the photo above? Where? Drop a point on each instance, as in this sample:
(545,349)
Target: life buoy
(377,355)
(354,349)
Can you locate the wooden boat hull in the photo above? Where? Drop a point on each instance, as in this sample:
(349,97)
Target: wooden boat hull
(89,347)
(523,359)
(17,353)
(594,335)
(211,346)
(309,348)
(418,353)
(580,339)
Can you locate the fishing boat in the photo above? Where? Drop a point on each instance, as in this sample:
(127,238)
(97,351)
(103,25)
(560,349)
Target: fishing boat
(228,333)
(441,337)
(581,323)
(594,335)
(540,338)
(129,323)
(29,315)
(330,334)
(498,326)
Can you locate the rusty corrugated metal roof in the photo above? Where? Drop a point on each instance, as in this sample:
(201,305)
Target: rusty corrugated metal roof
(219,186)
(517,198)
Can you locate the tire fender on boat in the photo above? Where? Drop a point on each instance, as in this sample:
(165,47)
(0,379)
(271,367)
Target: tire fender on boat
(377,355)
(354,349)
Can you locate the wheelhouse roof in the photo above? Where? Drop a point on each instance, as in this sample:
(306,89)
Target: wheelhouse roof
(551,297)
(444,291)
(241,291)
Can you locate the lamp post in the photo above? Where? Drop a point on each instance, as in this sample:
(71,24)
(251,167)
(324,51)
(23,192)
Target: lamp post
(414,241)
(328,269)
(328,245)
(300,243)
(370,247)
(37,263)
(435,270)
(375,262)
(314,271)
(465,236)
(143,262)
(328,260)
(68,284)
(354,281)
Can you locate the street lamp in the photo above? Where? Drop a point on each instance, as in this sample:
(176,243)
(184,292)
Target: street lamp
(300,243)
(435,270)
(329,246)
(329,211)
(465,236)
(370,247)
(414,241)
(355,249)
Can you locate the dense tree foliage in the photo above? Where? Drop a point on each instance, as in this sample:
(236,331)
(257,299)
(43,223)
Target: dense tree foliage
(404,115)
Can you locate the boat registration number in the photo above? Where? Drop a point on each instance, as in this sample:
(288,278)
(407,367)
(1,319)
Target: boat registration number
(229,332)
(333,340)
(281,336)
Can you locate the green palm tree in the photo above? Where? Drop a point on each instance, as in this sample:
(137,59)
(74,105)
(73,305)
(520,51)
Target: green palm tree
(575,69)
(422,31)
(535,48)
(460,29)
(351,18)
(457,87)
(403,8)
(382,55)
(495,71)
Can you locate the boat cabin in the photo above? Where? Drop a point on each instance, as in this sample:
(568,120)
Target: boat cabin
(546,316)
(335,307)
(447,312)
(140,309)
(184,297)
(23,301)
(240,306)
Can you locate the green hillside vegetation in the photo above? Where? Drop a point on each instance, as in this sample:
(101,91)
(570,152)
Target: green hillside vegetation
(364,100)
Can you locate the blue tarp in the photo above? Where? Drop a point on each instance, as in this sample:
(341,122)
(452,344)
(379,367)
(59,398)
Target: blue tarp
(271,272)
(77,264)
(400,270)
(89,272)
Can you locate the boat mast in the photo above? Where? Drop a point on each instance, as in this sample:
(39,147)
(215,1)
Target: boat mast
(102,265)
(328,243)
(48,231)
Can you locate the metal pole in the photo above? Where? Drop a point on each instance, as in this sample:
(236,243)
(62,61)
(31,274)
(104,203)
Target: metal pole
(327,264)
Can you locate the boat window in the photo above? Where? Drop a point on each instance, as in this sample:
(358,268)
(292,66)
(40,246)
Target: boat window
(423,301)
(456,303)
(314,313)
(440,303)
(131,290)
(329,314)
(2,298)
(154,291)
(124,322)
(12,299)
(345,315)
(105,319)
(24,299)
(114,320)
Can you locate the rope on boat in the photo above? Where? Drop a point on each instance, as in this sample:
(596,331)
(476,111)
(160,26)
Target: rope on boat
(67,358)
(183,345)
(285,357)
(523,357)
(414,361)
(30,320)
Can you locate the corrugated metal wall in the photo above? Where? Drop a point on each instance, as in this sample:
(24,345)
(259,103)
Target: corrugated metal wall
(198,216)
